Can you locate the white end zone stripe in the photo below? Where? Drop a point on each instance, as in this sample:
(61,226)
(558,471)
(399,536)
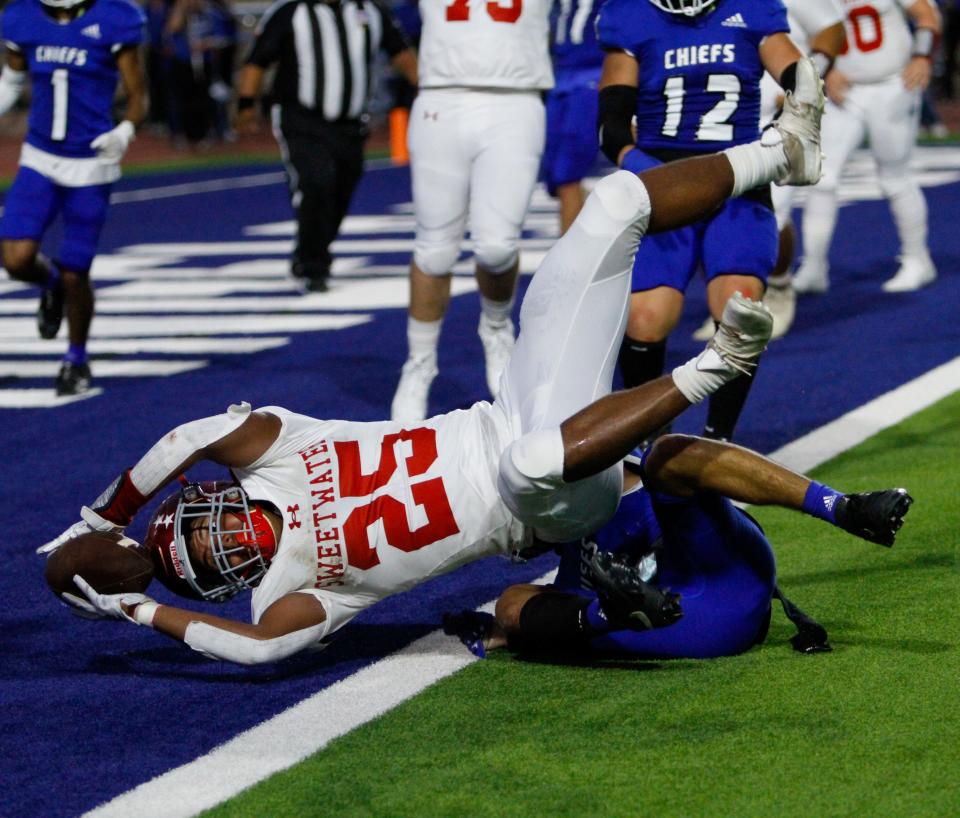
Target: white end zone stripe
(853,428)
(294,734)
(309,726)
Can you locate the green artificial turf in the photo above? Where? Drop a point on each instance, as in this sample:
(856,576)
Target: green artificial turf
(870,729)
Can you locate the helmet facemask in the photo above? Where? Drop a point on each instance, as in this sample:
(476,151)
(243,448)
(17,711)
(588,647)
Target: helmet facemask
(688,8)
(254,541)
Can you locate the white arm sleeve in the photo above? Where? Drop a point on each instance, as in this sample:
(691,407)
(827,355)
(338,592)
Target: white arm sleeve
(217,643)
(11,84)
(156,466)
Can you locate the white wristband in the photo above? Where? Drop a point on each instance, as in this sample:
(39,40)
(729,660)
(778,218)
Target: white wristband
(144,612)
(923,39)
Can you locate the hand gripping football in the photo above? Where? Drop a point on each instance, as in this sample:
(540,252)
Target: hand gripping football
(111,563)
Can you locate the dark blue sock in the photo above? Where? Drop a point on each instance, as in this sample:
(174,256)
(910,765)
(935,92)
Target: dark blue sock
(820,500)
(595,619)
(76,354)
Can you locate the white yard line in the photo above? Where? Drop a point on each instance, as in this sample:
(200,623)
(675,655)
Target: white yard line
(309,726)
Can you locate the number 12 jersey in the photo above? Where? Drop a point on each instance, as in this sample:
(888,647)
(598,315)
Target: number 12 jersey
(699,80)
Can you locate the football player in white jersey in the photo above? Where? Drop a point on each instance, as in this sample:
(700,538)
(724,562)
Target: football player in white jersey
(330,516)
(874,91)
(476,135)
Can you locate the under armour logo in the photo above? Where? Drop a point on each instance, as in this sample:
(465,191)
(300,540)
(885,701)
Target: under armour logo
(430,115)
(292,511)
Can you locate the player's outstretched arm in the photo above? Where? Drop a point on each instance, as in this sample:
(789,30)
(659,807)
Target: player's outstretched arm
(289,625)
(235,439)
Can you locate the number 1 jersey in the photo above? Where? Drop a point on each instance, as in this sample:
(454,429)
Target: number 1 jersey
(73,69)
(371,509)
(699,81)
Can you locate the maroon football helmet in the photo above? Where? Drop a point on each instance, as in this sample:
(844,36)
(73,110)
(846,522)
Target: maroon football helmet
(199,505)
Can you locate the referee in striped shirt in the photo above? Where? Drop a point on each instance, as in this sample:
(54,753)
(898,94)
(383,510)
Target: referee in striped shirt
(324,52)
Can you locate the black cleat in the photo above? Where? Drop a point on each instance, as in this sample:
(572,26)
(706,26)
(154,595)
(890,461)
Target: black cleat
(316,284)
(50,311)
(73,379)
(627,601)
(874,515)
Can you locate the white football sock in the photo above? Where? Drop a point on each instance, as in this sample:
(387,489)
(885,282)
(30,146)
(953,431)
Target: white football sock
(423,338)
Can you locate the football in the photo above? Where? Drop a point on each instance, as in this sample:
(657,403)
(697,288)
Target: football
(111,568)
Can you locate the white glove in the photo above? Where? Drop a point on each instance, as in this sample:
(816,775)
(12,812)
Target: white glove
(80,606)
(110,606)
(112,145)
(91,521)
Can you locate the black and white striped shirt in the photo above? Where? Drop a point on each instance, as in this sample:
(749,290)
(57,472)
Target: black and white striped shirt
(324,52)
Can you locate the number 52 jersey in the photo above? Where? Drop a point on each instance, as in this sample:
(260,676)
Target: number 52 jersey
(371,509)
(699,78)
(73,69)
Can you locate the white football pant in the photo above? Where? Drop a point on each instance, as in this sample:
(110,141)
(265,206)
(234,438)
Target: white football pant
(571,325)
(477,153)
(887,114)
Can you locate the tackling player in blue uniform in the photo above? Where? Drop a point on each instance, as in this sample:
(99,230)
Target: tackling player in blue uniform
(571,105)
(679,535)
(690,70)
(74,51)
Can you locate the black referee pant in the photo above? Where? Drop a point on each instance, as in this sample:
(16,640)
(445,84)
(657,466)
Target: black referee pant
(324,162)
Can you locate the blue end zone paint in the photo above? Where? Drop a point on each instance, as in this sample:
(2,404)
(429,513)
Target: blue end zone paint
(90,710)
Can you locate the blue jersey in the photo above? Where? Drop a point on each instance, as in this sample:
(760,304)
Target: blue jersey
(575,50)
(699,80)
(73,69)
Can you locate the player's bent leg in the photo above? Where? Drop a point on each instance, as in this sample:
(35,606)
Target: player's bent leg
(574,311)
(566,482)
(685,466)
(607,430)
